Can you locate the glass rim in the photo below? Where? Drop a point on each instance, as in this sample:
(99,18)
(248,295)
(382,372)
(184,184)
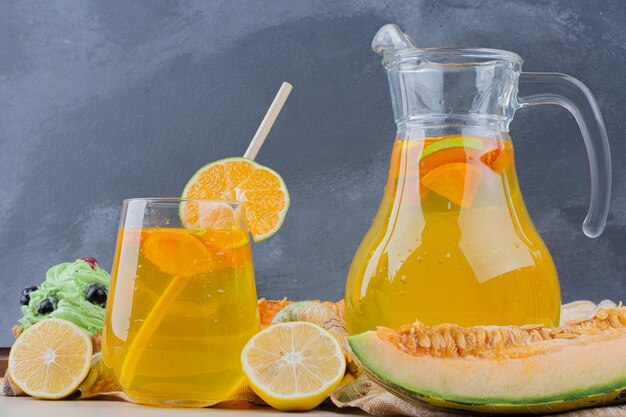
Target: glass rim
(178,200)
(482,55)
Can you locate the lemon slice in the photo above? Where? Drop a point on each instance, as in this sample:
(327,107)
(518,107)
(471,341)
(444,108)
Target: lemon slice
(260,191)
(50,359)
(293,366)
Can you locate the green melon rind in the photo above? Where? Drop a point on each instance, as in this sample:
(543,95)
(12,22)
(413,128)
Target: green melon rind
(606,394)
(281,214)
(604,399)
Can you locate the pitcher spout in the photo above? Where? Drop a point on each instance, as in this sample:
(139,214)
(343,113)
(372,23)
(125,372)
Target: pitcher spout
(390,38)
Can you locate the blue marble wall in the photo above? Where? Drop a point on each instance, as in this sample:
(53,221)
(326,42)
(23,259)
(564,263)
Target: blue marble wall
(105,100)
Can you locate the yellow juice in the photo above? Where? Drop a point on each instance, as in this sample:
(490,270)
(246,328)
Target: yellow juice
(452,242)
(183,305)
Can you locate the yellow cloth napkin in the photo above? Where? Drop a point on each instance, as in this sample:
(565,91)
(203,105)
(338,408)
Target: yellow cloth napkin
(356,390)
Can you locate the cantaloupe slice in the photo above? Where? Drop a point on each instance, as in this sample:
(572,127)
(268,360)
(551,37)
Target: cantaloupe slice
(506,369)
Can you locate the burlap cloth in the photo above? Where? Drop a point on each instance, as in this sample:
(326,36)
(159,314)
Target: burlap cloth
(355,390)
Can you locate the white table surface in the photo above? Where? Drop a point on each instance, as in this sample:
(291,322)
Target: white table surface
(31,407)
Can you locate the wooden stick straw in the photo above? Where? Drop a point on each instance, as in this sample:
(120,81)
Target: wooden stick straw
(149,326)
(178,284)
(268,121)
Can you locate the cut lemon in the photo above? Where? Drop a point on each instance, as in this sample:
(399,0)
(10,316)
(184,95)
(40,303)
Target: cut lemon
(458,182)
(293,366)
(50,359)
(261,192)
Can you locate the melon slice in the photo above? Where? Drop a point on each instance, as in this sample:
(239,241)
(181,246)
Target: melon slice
(506,369)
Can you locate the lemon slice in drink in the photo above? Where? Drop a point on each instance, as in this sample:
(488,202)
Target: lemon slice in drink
(261,192)
(50,359)
(293,366)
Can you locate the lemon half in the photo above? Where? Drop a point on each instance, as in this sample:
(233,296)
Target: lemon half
(50,359)
(293,366)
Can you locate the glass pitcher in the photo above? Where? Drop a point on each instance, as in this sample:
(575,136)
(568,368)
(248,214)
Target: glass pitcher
(452,240)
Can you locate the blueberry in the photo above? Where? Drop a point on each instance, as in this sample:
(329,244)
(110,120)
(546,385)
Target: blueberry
(96,294)
(91,261)
(46,306)
(25,296)
(28,290)
(24,300)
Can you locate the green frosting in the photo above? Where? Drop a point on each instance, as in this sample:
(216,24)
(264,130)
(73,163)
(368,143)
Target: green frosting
(67,283)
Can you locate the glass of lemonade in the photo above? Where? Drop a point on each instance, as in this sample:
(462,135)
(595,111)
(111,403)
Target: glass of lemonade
(182,304)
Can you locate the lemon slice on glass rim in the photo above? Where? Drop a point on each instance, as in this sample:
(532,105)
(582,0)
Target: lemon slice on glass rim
(260,193)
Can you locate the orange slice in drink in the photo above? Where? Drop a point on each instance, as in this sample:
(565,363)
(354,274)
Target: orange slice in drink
(177,253)
(499,158)
(50,359)
(261,193)
(458,182)
(448,156)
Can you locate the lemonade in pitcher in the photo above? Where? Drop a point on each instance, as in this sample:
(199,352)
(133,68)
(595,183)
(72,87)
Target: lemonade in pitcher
(452,241)
(452,233)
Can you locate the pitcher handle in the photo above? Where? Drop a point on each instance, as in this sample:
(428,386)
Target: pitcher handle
(566,91)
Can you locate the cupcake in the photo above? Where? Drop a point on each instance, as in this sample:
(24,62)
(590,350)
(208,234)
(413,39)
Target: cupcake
(73,291)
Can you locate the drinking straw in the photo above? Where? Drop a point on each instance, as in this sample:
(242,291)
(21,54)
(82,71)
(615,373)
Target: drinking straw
(178,283)
(268,121)
(149,326)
